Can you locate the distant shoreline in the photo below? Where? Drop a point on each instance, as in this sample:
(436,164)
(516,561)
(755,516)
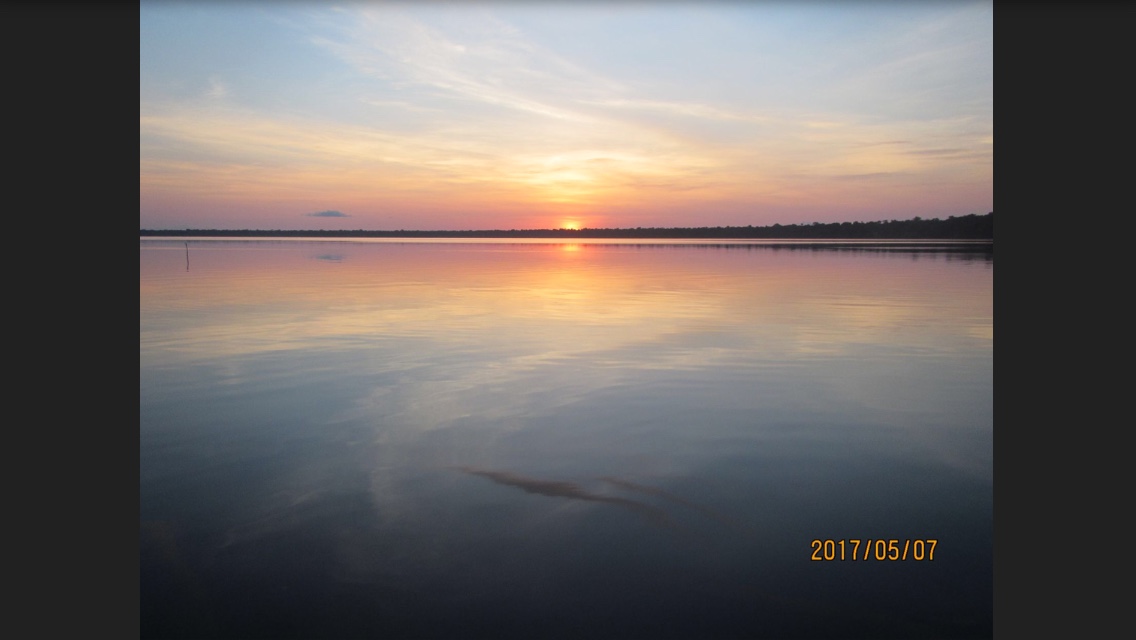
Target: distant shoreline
(969,227)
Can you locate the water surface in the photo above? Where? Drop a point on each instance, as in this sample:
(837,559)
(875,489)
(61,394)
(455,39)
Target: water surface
(538,439)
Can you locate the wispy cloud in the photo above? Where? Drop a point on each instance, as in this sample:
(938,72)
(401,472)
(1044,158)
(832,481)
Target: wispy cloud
(217,89)
(479,59)
(688,109)
(330,213)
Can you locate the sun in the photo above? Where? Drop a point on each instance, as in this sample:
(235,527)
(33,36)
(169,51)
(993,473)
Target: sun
(571,225)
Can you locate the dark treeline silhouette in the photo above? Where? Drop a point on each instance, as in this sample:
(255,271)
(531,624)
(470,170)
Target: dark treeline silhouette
(969,227)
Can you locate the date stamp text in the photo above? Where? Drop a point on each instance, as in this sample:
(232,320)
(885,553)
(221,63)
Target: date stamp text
(894,550)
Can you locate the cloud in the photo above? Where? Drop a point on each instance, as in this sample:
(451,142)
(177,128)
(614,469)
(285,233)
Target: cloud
(217,89)
(330,213)
(476,58)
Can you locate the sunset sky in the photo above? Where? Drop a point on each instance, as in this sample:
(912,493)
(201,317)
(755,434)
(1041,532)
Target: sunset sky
(500,115)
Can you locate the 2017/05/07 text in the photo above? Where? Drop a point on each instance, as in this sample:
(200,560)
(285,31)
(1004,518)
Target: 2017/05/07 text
(870,549)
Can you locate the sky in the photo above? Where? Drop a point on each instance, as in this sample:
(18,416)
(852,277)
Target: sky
(542,114)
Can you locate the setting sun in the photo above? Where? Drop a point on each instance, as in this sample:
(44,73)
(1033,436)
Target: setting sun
(571,225)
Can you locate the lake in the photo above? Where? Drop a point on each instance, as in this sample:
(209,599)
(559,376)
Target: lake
(541,439)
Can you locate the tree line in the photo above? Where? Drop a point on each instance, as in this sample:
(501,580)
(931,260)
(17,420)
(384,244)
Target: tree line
(968,227)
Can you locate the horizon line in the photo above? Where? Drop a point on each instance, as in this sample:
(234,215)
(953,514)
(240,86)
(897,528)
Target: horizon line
(916,219)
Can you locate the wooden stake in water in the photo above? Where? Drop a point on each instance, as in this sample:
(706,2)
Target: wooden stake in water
(187,256)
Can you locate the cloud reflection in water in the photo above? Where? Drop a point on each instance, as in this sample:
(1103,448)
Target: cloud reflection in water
(561,489)
(571,490)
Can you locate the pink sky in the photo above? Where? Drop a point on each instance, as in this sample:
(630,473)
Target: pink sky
(511,115)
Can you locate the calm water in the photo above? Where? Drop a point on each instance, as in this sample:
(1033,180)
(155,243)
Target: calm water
(532,440)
